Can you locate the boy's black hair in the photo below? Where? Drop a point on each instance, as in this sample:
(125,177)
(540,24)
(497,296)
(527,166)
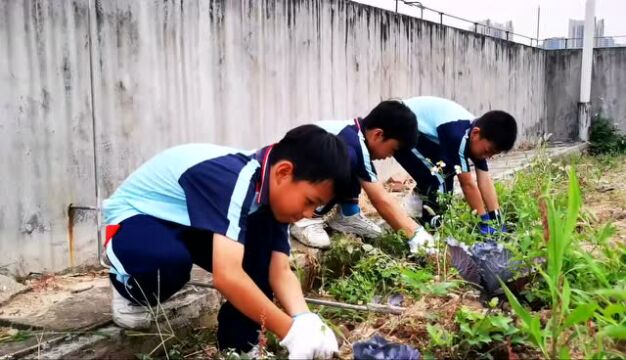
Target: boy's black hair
(499,128)
(316,154)
(396,121)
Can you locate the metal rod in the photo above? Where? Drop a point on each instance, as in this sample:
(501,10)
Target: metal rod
(92,8)
(538,14)
(378,308)
(82,207)
(385,309)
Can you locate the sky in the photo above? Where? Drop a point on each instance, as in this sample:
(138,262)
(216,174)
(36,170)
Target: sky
(553,19)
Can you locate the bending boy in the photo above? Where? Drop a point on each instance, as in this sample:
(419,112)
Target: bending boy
(449,137)
(390,127)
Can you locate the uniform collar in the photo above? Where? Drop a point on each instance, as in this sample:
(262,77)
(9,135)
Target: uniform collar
(357,123)
(263,182)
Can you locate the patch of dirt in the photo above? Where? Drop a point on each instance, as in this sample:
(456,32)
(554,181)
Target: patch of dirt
(605,199)
(47,290)
(410,327)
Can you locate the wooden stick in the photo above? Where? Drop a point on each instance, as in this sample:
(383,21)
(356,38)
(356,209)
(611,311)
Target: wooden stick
(377,308)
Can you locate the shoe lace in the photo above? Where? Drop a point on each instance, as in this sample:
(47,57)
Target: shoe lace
(367,221)
(317,228)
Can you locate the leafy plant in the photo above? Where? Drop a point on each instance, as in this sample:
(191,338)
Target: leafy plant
(343,255)
(561,226)
(393,243)
(477,328)
(604,137)
(375,274)
(439,337)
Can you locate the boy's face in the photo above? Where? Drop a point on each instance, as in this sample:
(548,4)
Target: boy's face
(379,147)
(480,148)
(291,200)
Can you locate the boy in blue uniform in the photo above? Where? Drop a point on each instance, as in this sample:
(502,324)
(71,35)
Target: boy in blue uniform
(388,128)
(227,211)
(451,135)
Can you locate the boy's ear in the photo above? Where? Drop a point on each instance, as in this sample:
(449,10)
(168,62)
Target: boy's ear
(379,133)
(475,132)
(282,171)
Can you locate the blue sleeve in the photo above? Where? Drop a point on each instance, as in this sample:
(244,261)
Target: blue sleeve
(360,160)
(481,164)
(219,193)
(281,240)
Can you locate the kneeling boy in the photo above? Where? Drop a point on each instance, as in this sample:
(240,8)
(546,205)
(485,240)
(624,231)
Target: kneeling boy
(227,211)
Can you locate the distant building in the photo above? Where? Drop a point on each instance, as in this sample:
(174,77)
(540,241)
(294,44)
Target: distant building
(577,32)
(492,28)
(555,43)
(607,41)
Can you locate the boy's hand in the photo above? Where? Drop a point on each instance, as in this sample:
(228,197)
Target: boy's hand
(310,338)
(422,240)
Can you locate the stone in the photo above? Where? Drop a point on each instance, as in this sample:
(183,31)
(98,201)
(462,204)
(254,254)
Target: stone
(9,288)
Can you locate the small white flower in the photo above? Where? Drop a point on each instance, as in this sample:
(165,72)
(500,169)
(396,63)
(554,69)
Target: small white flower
(457,169)
(434,170)
(441,164)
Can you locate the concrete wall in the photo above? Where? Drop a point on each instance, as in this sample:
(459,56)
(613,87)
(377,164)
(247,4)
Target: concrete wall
(129,78)
(46,152)
(241,73)
(563,92)
(608,84)
(608,88)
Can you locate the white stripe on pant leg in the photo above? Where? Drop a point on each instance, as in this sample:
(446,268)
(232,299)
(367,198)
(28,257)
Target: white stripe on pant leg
(116,265)
(430,165)
(463,162)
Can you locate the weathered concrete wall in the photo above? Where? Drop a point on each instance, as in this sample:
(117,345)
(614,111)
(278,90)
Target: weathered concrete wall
(243,72)
(563,92)
(608,88)
(236,72)
(46,152)
(608,84)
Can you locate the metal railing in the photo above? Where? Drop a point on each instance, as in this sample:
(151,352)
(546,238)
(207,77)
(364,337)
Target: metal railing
(442,18)
(433,15)
(558,43)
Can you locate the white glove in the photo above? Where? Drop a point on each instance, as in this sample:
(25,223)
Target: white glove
(310,338)
(422,240)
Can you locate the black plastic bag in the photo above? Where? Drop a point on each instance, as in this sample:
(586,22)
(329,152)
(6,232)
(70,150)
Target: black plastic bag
(484,263)
(377,348)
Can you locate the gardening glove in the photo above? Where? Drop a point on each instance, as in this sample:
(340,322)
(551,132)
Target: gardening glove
(422,240)
(310,338)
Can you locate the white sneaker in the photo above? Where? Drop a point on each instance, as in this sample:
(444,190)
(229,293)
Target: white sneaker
(129,315)
(311,233)
(356,224)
